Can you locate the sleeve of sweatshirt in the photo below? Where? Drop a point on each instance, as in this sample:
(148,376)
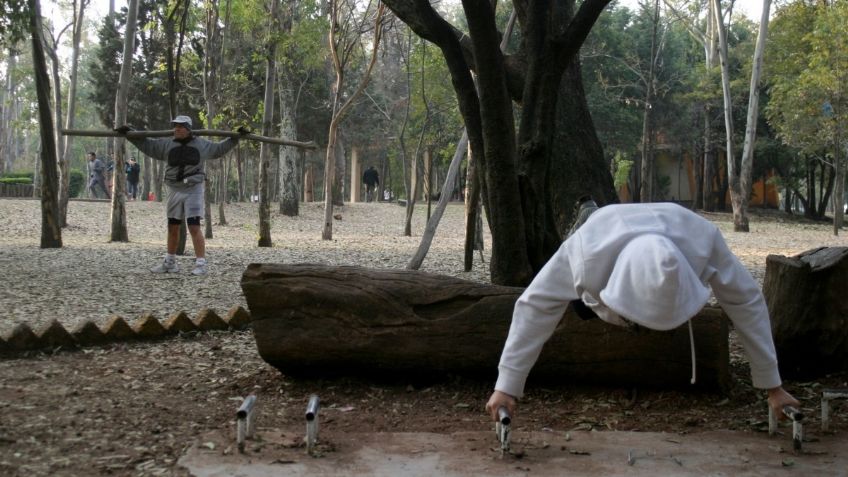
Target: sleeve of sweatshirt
(155,148)
(218,149)
(741,298)
(537,313)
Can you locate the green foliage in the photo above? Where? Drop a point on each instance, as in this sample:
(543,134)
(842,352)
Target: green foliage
(14,21)
(663,186)
(806,68)
(77,183)
(616,63)
(19,174)
(623,166)
(15,180)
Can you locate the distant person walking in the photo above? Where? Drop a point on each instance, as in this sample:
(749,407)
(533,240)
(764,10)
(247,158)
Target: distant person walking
(371,179)
(96,176)
(133,170)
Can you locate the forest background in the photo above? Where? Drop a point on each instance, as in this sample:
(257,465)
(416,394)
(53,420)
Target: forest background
(650,77)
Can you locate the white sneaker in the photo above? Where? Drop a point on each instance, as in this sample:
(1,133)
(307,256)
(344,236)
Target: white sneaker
(167,266)
(199,269)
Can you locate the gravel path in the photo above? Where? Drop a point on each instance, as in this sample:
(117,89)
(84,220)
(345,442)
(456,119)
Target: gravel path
(92,279)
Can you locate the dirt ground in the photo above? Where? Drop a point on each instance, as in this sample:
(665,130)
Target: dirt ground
(136,408)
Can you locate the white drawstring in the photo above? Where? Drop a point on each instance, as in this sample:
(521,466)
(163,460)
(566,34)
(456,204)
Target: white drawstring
(692,345)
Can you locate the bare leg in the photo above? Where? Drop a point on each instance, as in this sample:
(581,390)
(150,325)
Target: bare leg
(197,241)
(173,238)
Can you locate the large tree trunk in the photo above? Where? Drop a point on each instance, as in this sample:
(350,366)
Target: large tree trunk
(392,323)
(51,231)
(521,173)
(806,300)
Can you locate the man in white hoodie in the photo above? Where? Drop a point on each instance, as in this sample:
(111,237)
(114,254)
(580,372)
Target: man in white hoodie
(648,264)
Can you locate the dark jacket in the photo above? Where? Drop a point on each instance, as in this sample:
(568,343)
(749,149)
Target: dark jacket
(132,172)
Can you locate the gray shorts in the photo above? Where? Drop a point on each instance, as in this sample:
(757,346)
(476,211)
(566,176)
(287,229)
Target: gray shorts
(185,203)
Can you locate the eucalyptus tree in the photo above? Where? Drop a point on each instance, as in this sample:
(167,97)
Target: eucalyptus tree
(533,174)
(119,197)
(67,150)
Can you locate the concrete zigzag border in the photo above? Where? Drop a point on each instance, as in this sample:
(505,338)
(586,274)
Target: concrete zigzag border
(53,335)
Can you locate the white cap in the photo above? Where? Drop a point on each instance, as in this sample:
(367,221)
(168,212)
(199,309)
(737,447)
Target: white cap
(653,285)
(184,120)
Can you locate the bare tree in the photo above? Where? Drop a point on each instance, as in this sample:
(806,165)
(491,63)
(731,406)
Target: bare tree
(344,38)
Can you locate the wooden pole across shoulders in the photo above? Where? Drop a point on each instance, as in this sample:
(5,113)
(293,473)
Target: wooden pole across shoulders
(196,132)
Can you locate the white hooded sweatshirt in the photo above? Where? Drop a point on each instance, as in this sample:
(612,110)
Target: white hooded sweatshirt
(649,264)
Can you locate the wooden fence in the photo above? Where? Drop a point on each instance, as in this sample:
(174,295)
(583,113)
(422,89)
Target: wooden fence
(15,190)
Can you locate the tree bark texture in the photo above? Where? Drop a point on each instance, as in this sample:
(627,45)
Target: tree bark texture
(809,313)
(321,320)
(51,231)
(289,191)
(267,128)
(531,177)
(119,231)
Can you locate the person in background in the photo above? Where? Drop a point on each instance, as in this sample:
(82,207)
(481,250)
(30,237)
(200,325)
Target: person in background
(96,176)
(371,179)
(133,170)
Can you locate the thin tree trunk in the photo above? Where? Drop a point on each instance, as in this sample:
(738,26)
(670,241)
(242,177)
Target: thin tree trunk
(732,172)
(223,190)
(739,195)
(8,102)
(839,193)
(240,175)
(340,170)
(472,209)
(267,129)
(119,196)
(647,166)
(447,190)
(64,191)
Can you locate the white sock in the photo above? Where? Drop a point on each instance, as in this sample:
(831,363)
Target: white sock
(170,257)
(201,261)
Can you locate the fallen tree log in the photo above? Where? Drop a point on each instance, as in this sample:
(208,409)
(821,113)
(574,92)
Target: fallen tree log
(317,320)
(806,298)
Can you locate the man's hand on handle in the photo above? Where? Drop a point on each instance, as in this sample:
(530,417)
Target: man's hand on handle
(778,398)
(123,130)
(497,400)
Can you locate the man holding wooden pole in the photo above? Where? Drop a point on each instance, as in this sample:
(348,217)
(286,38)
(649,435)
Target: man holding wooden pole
(186,156)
